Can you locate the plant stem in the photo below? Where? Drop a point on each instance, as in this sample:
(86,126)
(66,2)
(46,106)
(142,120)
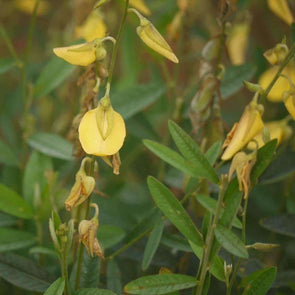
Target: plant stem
(64,269)
(115,50)
(287,59)
(210,236)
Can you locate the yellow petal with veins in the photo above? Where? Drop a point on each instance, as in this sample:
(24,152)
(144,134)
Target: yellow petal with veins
(91,139)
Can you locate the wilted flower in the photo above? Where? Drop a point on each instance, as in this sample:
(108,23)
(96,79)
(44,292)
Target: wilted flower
(88,235)
(281,9)
(249,125)
(281,85)
(152,38)
(83,54)
(102,130)
(92,28)
(82,188)
(277,130)
(242,164)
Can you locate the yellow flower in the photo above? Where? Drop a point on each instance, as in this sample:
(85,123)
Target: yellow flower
(87,231)
(249,125)
(102,131)
(290,105)
(92,28)
(237,42)
(140,5)
(281,9)
(152,38)
(281,85)
(277,130)
(27,6)
(243,164)
(82,188)
(277,54)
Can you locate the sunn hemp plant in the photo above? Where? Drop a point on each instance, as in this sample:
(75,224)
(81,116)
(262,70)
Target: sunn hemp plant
(202,232)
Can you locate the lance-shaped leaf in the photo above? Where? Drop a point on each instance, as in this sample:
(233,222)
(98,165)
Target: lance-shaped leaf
(230,242)
(192,152)
(174,211)
(160,284)
(56,288)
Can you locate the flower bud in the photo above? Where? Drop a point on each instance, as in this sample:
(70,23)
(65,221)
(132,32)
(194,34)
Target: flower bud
(281,9)
(249,125)
(263,247)
(152,38)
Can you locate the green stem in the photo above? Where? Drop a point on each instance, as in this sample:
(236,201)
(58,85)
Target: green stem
(287,59)
(64,269)
(115,50)
(210,237)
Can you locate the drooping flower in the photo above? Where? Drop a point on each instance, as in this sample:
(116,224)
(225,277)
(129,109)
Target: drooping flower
(82,188)
(249,125)
(152,38)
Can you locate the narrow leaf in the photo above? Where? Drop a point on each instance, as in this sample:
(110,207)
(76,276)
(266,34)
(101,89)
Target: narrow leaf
(52,145)
(160,284)
(230,242)
(172,158)
(12,203)
(6,155)
(192,152)
(6,65)
(152,245)
(213,152)
(174,211)
(114,277)
(56,288)
(90,271)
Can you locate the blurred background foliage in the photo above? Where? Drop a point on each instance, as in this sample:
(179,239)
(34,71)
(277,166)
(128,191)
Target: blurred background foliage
(37,141)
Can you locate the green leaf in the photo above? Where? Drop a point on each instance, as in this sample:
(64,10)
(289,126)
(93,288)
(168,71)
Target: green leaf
(230,242)
(192,152)
(90,271)
(172,158)
(216,266)
(6,65)
(7,220)
(213,152)
(34,181)
(264,158)
(12,203)
(152,245)
(109,235)
(135,98)
(12,239)
(283,224)
(93,291)
(176,241)
(160,284)
(234,77)
(173,210)
(259,283)
(7,156)
(51,145)
(114,277)
(23,272)
(53,74)
(210,204)
(43,250)
(56,288)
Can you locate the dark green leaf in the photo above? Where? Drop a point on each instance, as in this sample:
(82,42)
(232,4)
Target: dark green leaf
(152,245)
(43,250)
(114,277)
(172,158)
(192,152)
(174,211)
(213,152)
(176,241)
(53,74)
(12,203)
(234,78)
(51,145)
(90,271)
(230,242)
(135,98)
(283,224)
(109,235)
(23,272)
(6,65)
(259,283)
(6,155)
(93,291)
(56,288)
(7,220)
(12,239)
(160,284)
